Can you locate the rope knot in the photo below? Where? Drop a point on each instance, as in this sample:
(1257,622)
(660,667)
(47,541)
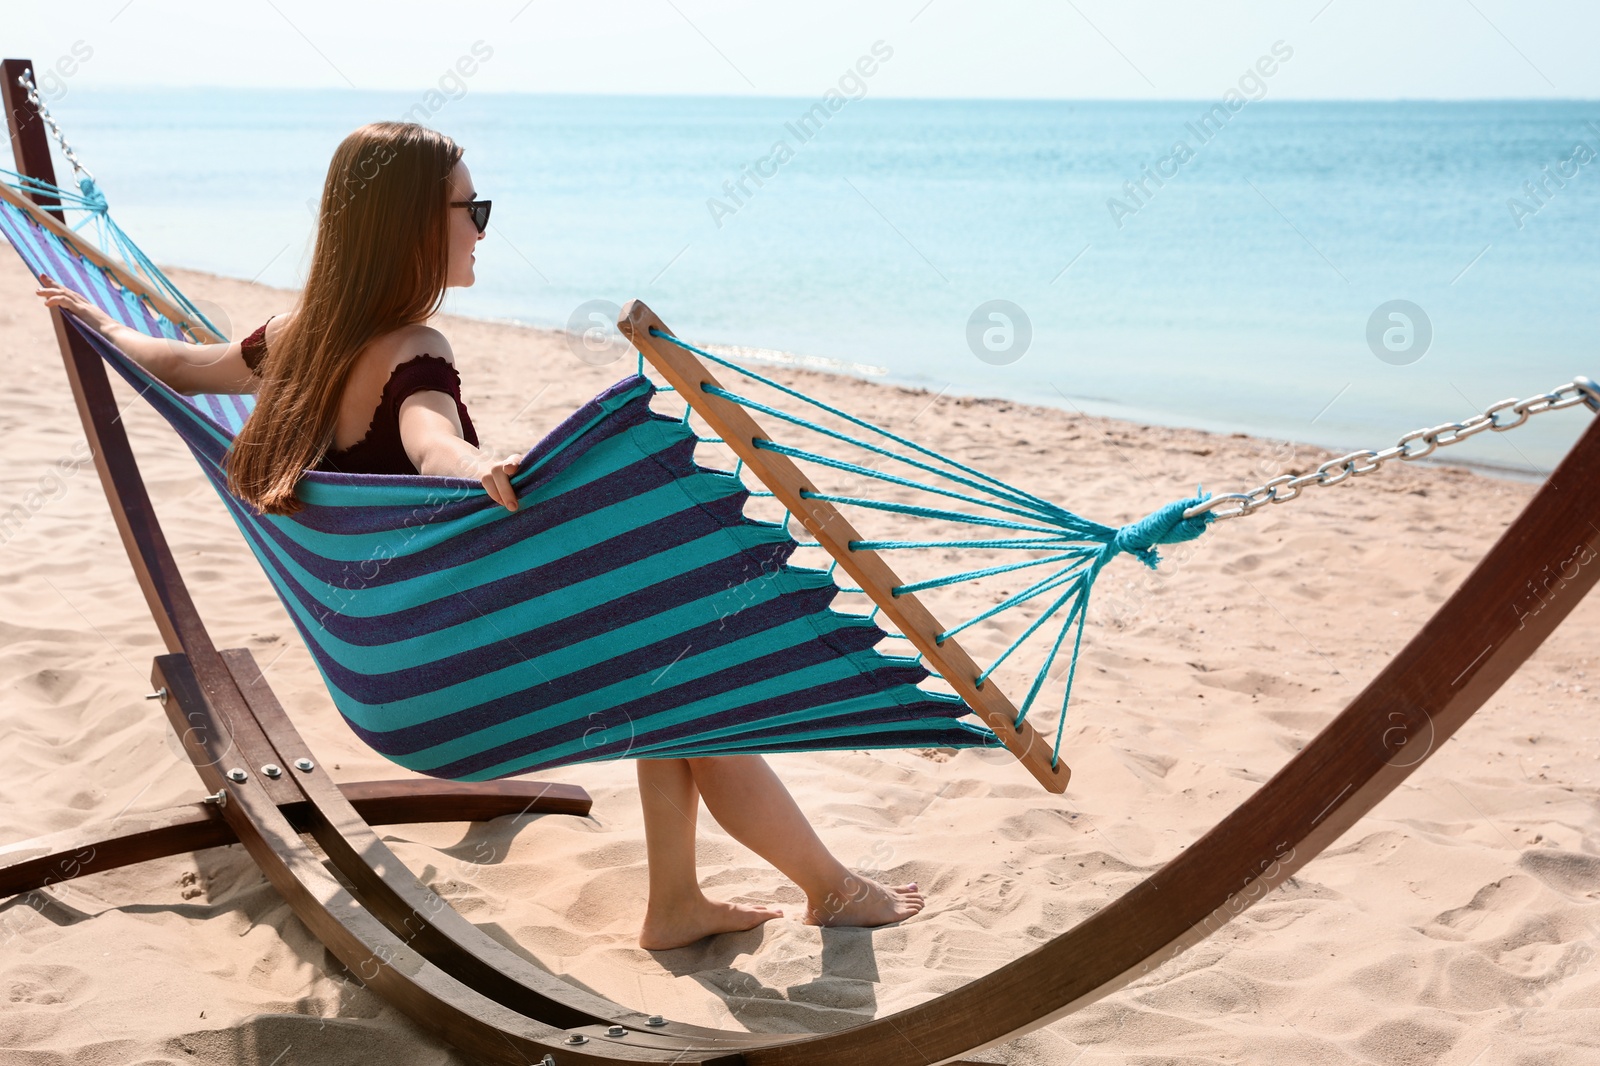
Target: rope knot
(94,199)
(1164,526)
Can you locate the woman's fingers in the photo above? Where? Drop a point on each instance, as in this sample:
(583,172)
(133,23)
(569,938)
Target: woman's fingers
(508,466)
(508,495)
(55,295)
(491,485)
(497,482)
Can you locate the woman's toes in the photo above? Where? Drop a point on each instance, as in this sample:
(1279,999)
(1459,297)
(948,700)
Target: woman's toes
(871,904)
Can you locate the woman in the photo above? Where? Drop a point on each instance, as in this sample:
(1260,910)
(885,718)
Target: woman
(354,379)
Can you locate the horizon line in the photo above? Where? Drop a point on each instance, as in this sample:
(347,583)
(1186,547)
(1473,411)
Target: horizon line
(126,87)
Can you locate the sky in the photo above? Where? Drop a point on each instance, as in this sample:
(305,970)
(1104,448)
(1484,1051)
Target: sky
(1030,49)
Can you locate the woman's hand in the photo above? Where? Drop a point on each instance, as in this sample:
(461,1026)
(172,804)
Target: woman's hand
(56,296)
(496,477)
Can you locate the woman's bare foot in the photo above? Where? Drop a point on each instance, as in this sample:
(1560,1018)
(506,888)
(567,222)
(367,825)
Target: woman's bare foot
(864,902)
(682,925)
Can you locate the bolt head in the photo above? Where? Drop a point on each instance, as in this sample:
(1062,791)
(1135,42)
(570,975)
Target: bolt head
(655,1019)
(272,769)
(305,766)
(616,1031)
(577,1038)
(238,774)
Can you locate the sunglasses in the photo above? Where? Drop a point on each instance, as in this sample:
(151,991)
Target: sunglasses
(479,209)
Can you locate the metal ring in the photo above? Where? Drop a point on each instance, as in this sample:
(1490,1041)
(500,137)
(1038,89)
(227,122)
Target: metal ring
(1394,451)
(1353,460)
(1327,473)
(1590,391)
(1214,502)
(1533,404)
(1417,434)
(1473,426)
(1494,410)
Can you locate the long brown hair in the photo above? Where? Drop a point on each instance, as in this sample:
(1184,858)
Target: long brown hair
(380,262)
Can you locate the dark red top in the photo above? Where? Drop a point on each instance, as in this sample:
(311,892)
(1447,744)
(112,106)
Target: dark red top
(381,450)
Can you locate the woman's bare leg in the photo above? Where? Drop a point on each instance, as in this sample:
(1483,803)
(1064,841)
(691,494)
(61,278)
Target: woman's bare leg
(747,799)
(678,913)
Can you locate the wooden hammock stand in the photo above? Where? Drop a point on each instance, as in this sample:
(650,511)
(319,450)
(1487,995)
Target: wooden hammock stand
(400,939)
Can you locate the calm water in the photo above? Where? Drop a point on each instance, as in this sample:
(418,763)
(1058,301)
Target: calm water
(1237,295)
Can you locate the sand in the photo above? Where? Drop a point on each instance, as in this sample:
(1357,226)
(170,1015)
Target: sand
(1459,923)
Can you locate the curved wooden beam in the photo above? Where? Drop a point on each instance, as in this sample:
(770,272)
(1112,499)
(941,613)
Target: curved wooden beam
(1494,621)
(139,837)
(387,888)
(378,957)
(1476,640)
(1534,575)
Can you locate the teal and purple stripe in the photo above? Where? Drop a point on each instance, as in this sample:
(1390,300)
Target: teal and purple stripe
(627,609)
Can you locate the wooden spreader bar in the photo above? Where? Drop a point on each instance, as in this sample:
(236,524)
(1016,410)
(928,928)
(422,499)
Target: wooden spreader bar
(685,372)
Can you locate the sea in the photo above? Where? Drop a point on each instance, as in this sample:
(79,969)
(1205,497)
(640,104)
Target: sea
(1336,273)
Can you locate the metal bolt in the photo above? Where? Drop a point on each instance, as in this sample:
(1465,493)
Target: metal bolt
(616,1031)
(220,797)
(237,774)
(305,766)
(272,770)
(655,1019)
(577,1038)
(158,694)
(548,1060)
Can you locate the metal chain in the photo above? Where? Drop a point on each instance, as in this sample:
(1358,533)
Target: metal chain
(25,79)
(1288,486)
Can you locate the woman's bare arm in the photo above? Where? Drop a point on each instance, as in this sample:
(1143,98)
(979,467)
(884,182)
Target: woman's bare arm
(430,430)
(188,368)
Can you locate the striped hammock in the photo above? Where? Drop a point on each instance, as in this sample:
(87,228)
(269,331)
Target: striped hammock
(627,609)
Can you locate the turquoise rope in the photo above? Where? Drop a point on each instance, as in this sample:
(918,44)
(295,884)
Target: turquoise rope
(867,471)
(90,199)
(1080,612)
(1072,672)
(1038,588)
(1018,543)
(974,575)
(852,419)
(1074,589)
(924,512)
(1047,527)
(1016,497)
(794,420)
